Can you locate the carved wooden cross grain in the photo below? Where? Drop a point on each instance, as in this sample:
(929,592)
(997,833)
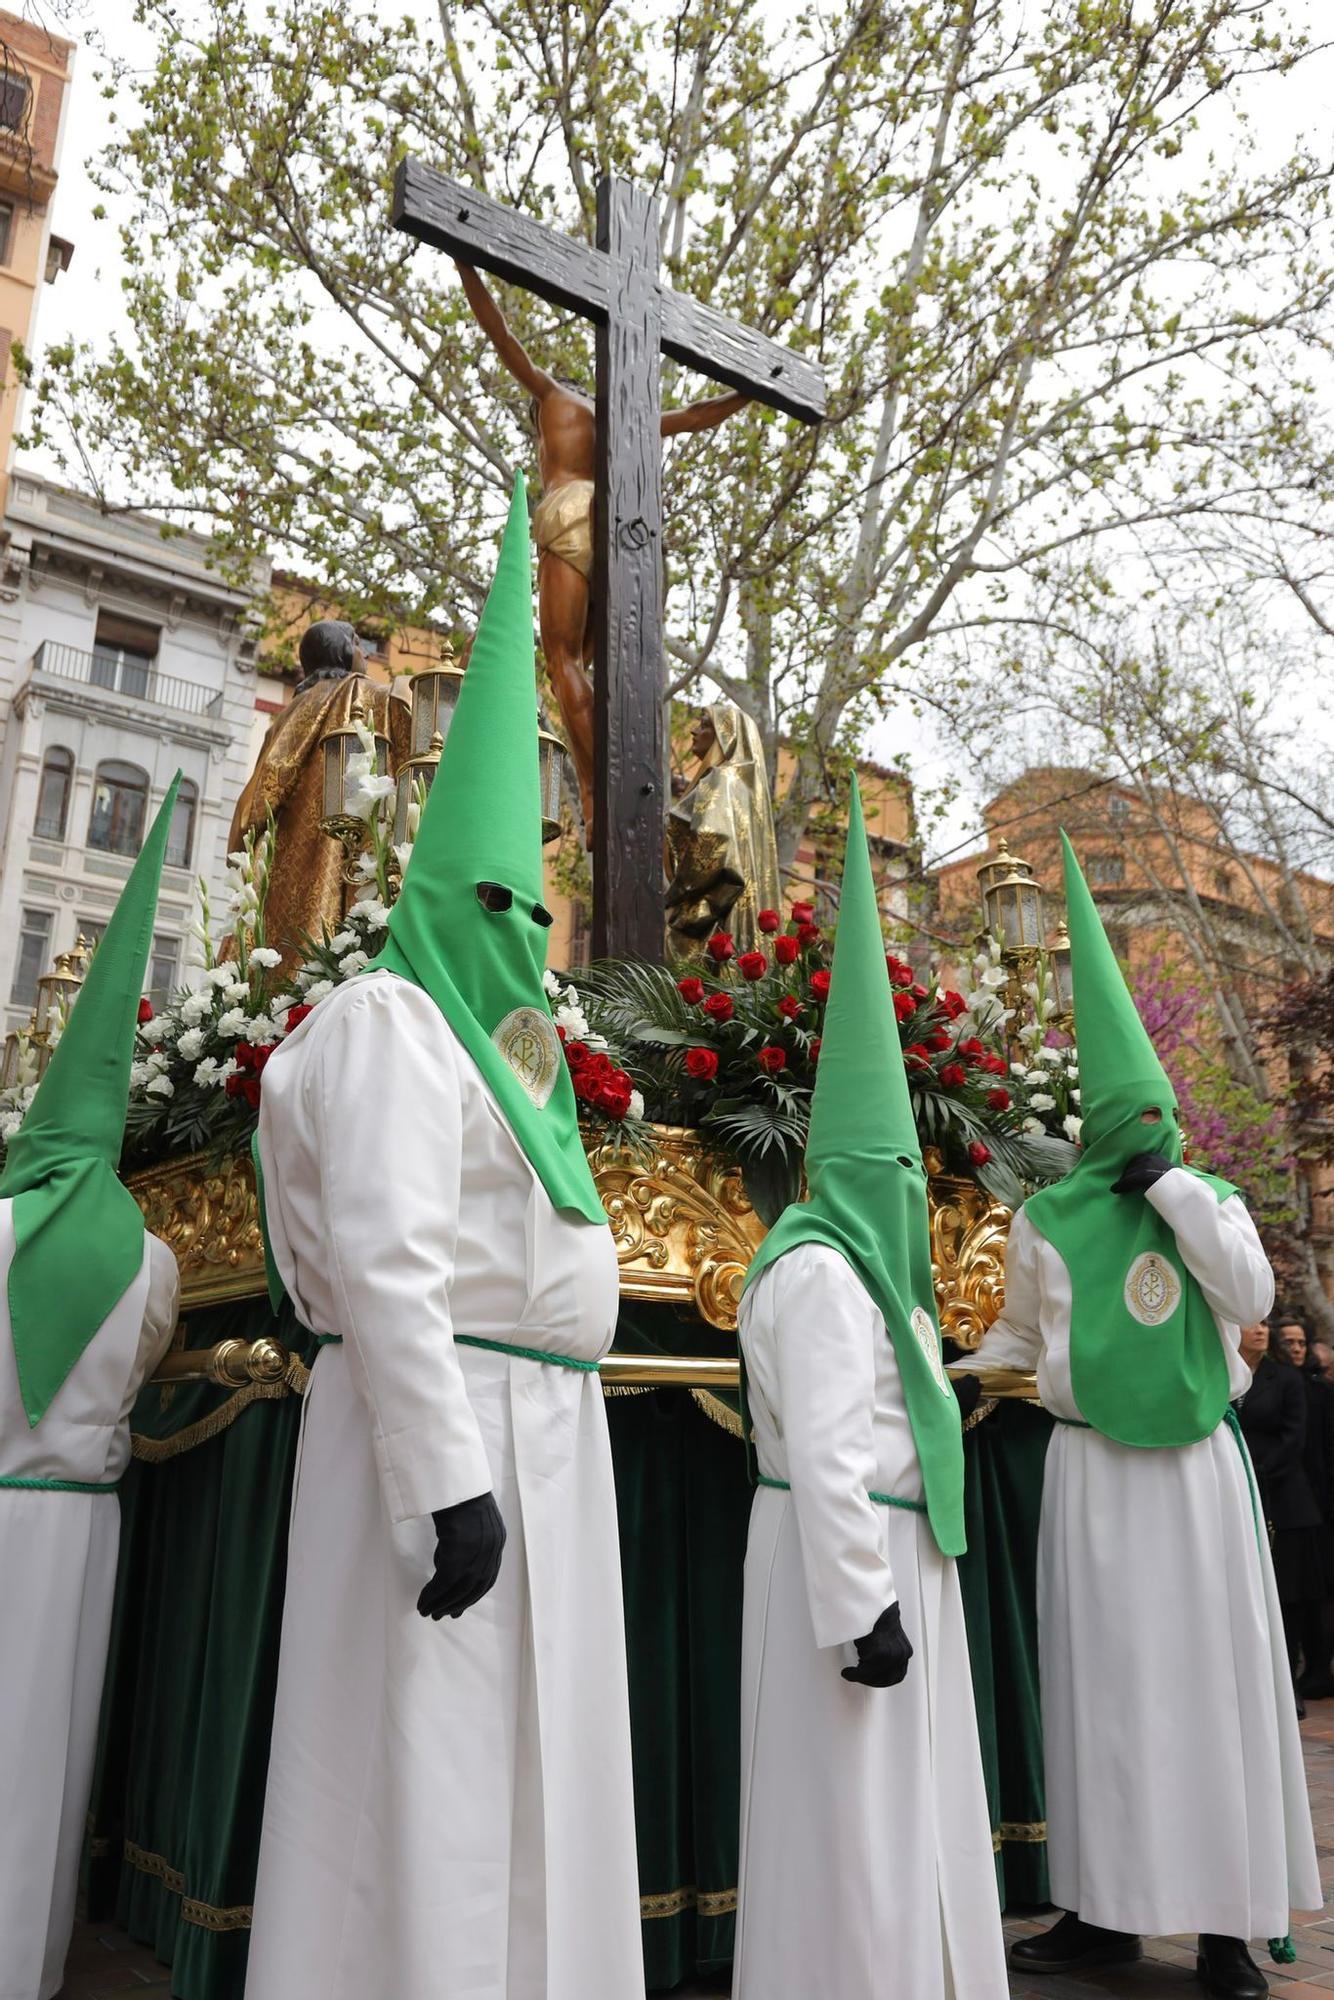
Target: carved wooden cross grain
(637,318)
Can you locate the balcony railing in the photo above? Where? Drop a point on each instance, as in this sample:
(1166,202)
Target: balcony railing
(123,673)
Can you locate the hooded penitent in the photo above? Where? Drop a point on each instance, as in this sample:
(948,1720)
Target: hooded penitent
(1146,1364)
(868,1185)
(78,1231)
(469,926)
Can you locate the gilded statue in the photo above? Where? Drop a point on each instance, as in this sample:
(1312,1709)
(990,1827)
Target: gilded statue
(563,417)
(305,885)
(722,856)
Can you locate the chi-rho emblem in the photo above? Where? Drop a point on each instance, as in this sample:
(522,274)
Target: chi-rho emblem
(528,1041)
(928,1340)
(1153,1289)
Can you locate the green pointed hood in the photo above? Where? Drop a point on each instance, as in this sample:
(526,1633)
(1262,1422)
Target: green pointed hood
(483,824)
(1146,1364)
(867,1184)
(79,1233)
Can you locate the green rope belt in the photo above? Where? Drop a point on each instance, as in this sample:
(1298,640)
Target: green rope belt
(881,1499)
(493,1347)
(57,1485)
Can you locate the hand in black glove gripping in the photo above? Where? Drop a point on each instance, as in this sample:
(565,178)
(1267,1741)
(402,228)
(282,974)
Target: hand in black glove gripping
(1140,1173)
(968,1393)
(883,1655)
(468,1545)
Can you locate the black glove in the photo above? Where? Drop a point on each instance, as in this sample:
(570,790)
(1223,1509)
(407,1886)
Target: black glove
(469,1540)
(883,1655)
(1141,1173)
(968,1391)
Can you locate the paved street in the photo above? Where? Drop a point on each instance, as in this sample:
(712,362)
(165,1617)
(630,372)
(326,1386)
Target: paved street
(104,1964)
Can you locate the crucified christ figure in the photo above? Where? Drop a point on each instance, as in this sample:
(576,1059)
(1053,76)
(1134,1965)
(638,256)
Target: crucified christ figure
(563,417)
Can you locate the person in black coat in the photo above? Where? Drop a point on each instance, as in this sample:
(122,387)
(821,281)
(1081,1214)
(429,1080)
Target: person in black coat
(1316,1683)
(1273,1421)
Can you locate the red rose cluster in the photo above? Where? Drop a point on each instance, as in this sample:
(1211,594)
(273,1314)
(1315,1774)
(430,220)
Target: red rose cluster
(250,1060)
(597,1081)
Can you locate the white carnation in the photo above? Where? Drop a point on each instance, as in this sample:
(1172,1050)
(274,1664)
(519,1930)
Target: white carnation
(550,984)
(155,1030)
(265,956)
(1074,1094)
(220,975)
(206,1072)
(1051,1055)
(636,1104)
(354,962)
(1032,1125)
(574,1021)
(139,1075)
(195,1008)
(1073,1126)
(234,1022)
(344,941)
(262,1029)
(190,1043)
(235,991)
(373,913)
(158,1063)
(227,1070)
(161,1086)
(1042,1100)
(1019,1069)
(318,990)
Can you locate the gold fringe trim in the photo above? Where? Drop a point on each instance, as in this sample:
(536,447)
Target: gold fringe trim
(156,1451)
(1021,1833)
(675,1903)
(626,1389)
(717,1412)
(983,1409)
(204,1916)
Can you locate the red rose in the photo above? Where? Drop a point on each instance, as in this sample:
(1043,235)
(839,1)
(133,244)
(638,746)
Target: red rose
(752,965)
(790,1007)
(613,1095)
(993,1065)
(953,1075)
(917,1053)
(953,1004)
(691,991)
(999,1100)
(901,974)
(234,1086)
(972,1048)
(250,1089)
(807,933)
(938,1040)
(815,1048)
(904,1006)
(786,950)
(771,1059)
(258,1057)
(769,921)
(587,1084)
(802,912)
(701,1064)
(978,1153)
(145,1011)
(720,948)
(296,1015)
(720,1006)
(820,985)
(576,1055)
(918,992)
(598,1063)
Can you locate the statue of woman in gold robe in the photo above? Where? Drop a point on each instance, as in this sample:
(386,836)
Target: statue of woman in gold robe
(722,856)
(306,885)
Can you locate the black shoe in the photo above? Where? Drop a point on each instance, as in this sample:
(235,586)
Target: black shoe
(1071,1944)
(1227,1971)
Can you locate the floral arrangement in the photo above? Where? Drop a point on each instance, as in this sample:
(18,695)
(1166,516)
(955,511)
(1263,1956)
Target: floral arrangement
(732,1046)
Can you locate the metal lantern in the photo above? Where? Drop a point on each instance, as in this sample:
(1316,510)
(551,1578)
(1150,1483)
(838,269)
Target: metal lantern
(1062,985)
(417,771)
(435,694)
(11,1063)
(552,758)
(996,868)
(1012,899)
(340,746)
(56,994)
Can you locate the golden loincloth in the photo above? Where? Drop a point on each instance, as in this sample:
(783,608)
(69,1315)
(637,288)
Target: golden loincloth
(563,525)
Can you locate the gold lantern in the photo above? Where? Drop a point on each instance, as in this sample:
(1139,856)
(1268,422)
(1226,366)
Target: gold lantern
(17,1042)
(1062,985)
(435,695)
(1012,900)
(552,757)
(415,778)
(56,993)
(337,819)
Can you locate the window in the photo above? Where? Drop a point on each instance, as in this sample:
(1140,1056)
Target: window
(124,654)
(34,947)
(15,91)
(162,969)
(90,929)
(1224,883)
(6,230)
(181,837)
(1105,871)
(120,806)
(1118,809)
(53,794)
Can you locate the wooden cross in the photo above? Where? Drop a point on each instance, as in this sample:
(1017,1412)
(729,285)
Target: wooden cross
(637,318)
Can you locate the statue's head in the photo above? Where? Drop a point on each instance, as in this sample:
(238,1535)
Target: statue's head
(329,651)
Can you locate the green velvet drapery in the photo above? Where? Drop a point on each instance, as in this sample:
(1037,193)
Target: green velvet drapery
(176,1808)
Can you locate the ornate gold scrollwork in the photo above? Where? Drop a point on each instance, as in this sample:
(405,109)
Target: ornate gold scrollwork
(683,1228)
(209,1218)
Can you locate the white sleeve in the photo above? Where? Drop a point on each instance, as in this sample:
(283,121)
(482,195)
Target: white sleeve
(1219,1246)
(385,1102)
(161,1311)
(825,1325)
(1015,1339)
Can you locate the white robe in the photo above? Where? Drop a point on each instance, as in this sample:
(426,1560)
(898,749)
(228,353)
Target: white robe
(449,1806)
(867,1865)
(57,1582)
(1176,1799)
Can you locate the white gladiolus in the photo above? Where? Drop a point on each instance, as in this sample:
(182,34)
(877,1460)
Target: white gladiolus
(234,1022)
(240,861)
(190,1043)
(265,956)
(161,1086)
(994,977)
(1073,1126)
(402,854)
(1041,1100)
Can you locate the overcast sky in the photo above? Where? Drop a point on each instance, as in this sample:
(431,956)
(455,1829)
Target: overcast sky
(85,302)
